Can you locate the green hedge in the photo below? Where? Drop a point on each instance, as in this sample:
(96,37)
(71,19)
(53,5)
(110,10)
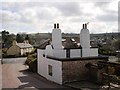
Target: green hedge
(32,61)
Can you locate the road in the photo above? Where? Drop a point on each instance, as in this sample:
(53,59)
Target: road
(16,75)
(14,60)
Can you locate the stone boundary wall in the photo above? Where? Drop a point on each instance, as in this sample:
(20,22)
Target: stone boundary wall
(76,70)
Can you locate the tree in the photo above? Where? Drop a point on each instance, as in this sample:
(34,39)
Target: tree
(19,38)
(116,45)
(5,36)
(27,37)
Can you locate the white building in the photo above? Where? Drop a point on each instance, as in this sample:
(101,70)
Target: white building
(64,65)
(19,48)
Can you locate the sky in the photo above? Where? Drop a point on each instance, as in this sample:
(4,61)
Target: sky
(34,16)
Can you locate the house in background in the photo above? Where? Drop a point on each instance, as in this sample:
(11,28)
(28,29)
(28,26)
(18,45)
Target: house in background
(18,49)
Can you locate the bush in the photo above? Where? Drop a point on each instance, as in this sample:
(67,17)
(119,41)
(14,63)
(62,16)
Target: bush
(32,61)
(106,52)
(33,66)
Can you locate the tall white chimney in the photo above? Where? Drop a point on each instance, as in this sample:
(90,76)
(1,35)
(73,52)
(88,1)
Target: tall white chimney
(56,37)
(85,37)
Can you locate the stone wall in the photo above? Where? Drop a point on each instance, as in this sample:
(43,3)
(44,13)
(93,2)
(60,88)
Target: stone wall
(76,70)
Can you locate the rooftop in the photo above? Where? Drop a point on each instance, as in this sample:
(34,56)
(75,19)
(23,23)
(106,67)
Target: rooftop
(79,58)
(24,45)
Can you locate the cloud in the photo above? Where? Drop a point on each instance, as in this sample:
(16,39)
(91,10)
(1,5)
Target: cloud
(83,19)
(28,15)
(110,13)
(96,27)
(108,18)
(68,8)
(40,16)
(8,16)
(12,6)
(48,13)
(102,4)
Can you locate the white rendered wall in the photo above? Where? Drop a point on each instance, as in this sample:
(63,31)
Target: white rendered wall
(94,52)
(43,63)
(53,52)
(75,53)
(57,39)
(57,71)
(30,49)
(21,50)
(59,53)
(85,38)
(85,52)
(90,52)
(49,50)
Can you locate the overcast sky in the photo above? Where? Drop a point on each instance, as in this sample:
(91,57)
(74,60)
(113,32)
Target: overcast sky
(34,16)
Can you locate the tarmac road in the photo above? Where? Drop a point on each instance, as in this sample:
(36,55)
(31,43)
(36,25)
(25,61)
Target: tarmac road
(14,60)
(16,75)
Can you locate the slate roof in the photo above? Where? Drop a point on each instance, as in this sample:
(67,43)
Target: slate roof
(70,43)
(24,45)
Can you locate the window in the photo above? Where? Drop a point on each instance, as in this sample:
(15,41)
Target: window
(50,70)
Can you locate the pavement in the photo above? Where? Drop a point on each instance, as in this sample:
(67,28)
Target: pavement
(14,60)
(83,85)
(16,75)
(86,85)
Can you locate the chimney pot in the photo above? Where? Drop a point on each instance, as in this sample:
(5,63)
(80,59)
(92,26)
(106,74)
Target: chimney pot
(54,26)
(57,25)
(83,26)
